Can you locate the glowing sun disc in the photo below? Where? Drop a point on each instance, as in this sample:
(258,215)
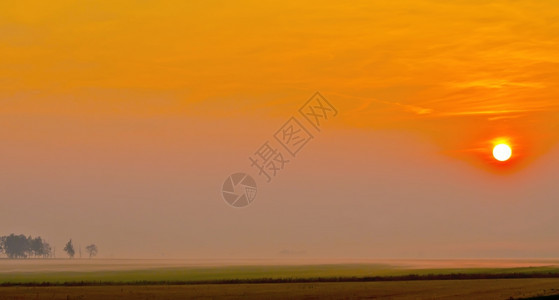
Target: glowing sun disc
(502,152)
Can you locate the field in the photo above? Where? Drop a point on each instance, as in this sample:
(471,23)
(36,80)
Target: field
(445,289)
(169,279)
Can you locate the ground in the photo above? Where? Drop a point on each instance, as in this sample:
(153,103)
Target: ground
(435,289)
(166,279)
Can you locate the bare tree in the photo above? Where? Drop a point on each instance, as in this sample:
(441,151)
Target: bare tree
(91,250)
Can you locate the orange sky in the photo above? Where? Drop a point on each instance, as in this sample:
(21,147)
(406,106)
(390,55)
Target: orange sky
(142,108)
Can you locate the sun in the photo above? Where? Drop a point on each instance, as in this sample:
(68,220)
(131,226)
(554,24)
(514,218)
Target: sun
(502,152)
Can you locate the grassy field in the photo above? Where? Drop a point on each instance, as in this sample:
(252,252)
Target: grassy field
(128,279)
(256,273)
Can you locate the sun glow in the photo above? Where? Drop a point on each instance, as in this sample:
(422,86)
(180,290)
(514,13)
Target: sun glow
(502,152)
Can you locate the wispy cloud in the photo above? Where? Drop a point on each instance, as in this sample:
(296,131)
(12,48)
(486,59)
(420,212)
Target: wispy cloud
(496,84)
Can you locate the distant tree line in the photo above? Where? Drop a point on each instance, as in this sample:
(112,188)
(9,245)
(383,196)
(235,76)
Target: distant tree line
(20,246)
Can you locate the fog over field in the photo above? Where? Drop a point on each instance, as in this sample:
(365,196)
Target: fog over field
(371,198)
(64,265)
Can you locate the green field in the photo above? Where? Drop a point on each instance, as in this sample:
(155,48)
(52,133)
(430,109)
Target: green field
(127,279)
(346,272)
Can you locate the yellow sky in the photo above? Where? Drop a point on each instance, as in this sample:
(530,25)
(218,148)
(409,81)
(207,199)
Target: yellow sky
(386,63)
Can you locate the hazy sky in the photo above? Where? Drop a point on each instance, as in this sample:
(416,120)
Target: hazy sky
(120,122)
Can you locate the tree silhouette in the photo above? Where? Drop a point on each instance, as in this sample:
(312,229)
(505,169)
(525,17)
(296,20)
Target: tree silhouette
(16,246)
(69,248)
(91,250)
(20,246)
(38,247)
